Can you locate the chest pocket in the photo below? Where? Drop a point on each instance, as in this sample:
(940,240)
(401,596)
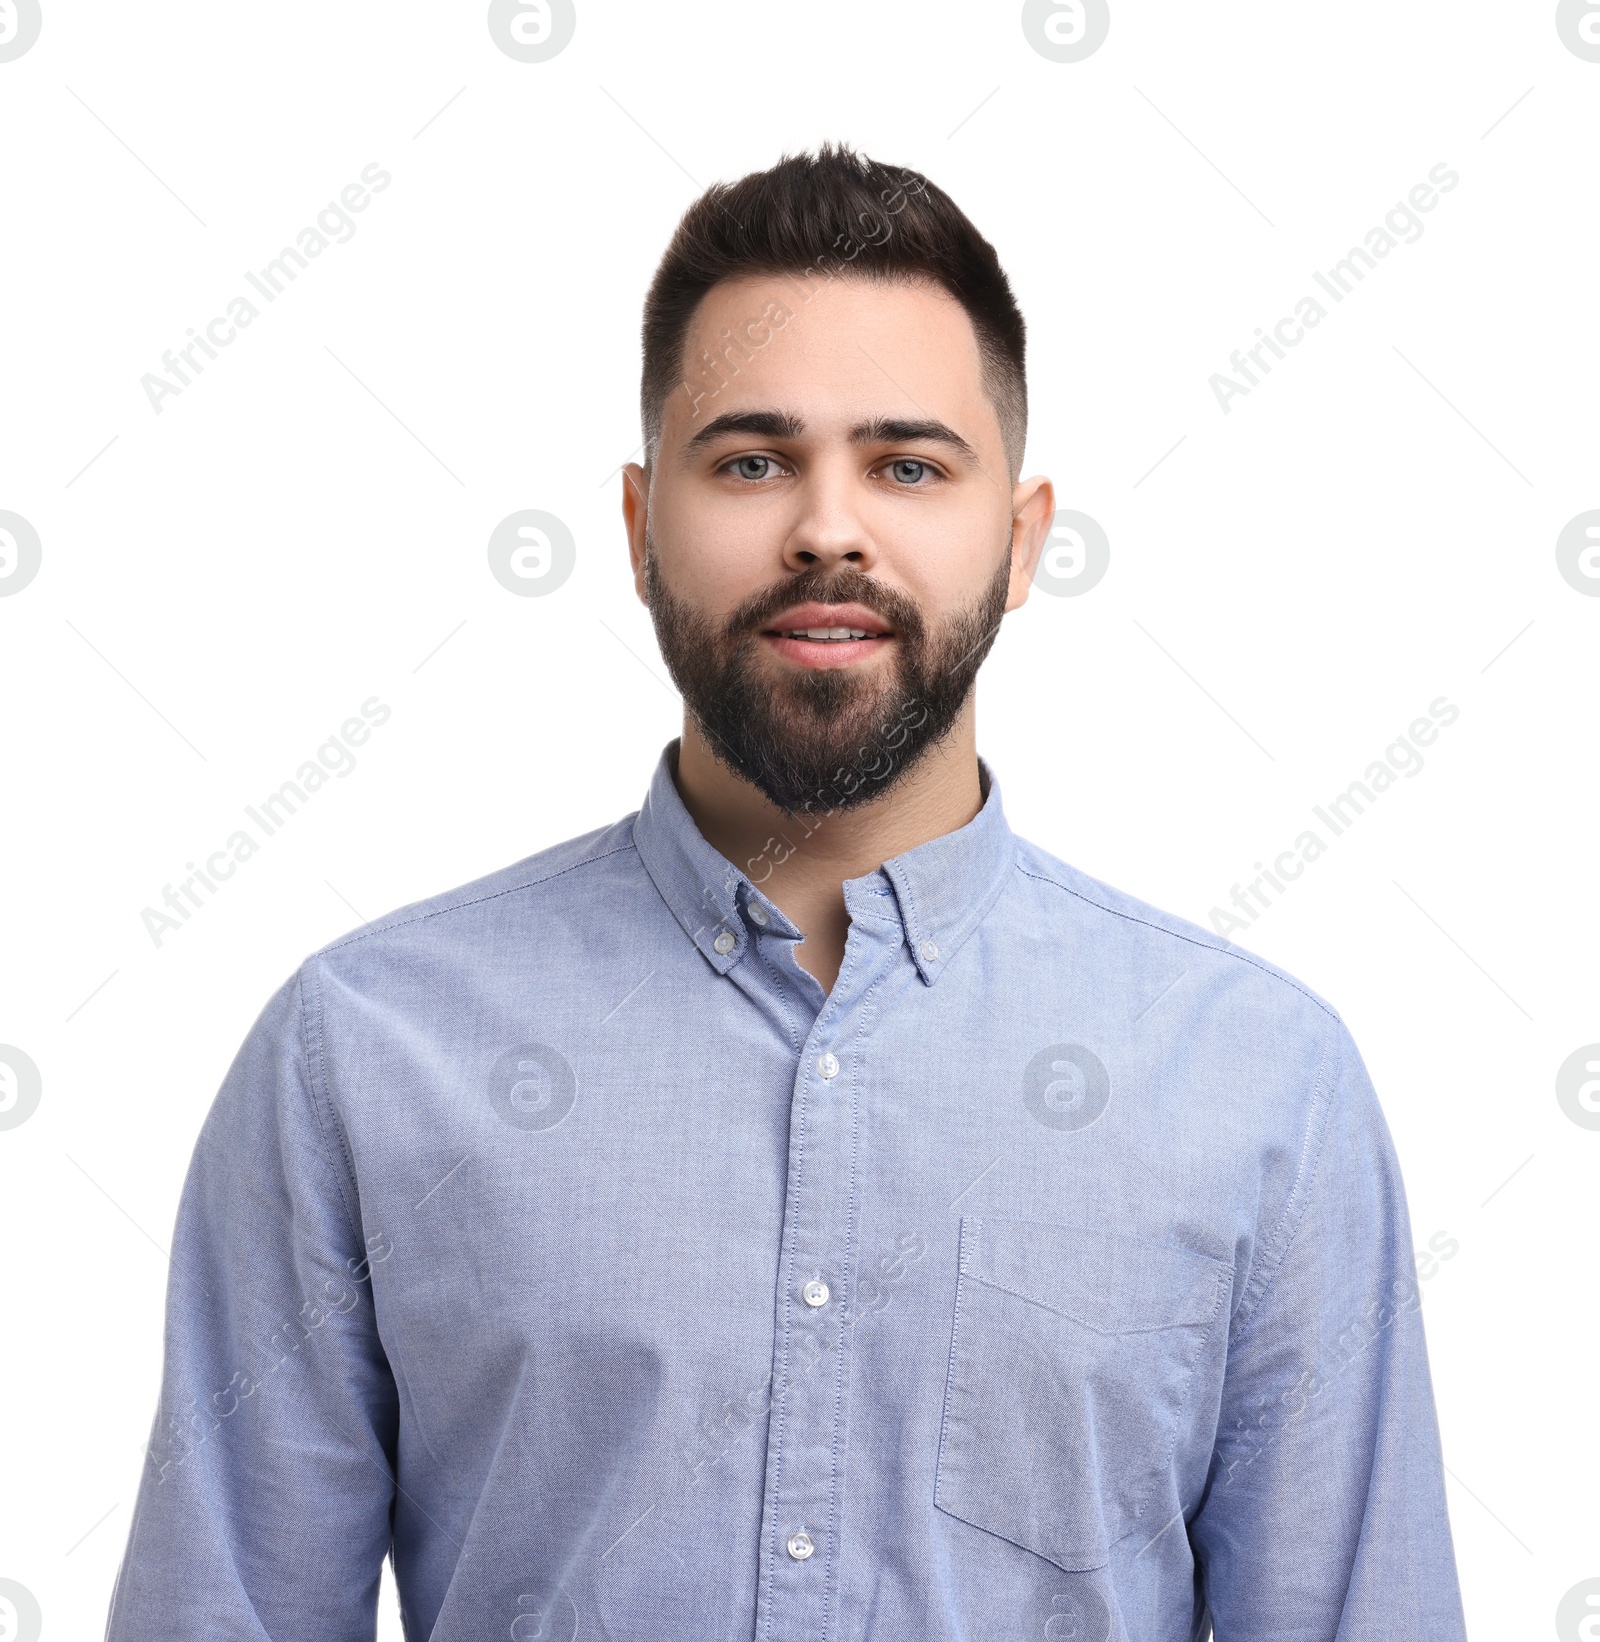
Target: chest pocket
(1070,1369)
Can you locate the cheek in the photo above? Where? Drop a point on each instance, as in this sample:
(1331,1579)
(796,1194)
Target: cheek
(711,561)
(945,558)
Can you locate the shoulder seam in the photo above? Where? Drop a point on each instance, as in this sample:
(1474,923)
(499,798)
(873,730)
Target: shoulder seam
(321,1095)
(477,900)
(1178,935)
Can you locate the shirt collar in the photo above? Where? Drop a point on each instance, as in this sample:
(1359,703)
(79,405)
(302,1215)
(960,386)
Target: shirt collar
(942,889)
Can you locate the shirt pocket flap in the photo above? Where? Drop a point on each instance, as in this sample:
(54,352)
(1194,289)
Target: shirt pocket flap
(1111,1284)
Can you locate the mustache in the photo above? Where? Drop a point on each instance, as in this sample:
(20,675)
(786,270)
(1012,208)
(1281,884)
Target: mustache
(842,586)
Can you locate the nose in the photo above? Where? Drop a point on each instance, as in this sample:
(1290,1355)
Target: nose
(830,527)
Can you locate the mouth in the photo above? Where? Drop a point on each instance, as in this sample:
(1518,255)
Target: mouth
(813,635)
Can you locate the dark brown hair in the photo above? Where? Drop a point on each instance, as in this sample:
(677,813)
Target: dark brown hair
(818,217)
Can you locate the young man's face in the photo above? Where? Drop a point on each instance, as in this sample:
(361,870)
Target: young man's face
(829,535)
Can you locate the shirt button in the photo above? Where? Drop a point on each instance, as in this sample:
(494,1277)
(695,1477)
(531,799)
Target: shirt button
(815,1293)
(801,1545)
(828,1065)
(929,951)
(725,943)
(758,914)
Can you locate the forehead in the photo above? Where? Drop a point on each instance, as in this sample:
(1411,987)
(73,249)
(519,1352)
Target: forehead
(831,350)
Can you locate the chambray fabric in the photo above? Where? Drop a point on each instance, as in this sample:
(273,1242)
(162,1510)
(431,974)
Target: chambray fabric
(499,1247)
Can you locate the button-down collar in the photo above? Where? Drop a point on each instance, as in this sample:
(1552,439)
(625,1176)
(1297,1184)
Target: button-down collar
(940,890)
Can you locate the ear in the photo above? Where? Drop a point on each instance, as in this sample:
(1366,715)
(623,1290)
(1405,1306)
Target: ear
(636,516)
(1033,506)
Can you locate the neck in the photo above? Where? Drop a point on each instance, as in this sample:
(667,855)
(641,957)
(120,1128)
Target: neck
(801,863)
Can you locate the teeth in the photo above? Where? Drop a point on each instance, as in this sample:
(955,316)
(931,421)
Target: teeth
(827,634)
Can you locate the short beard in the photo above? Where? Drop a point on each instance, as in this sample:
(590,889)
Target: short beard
(826,740)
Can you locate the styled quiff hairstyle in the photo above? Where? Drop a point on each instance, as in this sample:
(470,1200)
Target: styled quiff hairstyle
(815,218)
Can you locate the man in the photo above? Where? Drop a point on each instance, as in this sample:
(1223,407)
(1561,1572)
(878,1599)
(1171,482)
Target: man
(802,1209)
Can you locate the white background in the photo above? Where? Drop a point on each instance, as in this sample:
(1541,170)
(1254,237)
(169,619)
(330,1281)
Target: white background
(304,527)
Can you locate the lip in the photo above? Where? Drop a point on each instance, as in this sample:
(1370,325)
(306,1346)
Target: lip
(827,653)
(829,615)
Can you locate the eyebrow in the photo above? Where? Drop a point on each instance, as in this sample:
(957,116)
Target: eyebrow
(880,430)
(764,424)
(894,430)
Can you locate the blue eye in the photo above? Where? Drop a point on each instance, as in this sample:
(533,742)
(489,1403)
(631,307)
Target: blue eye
(745,463)
(908,472)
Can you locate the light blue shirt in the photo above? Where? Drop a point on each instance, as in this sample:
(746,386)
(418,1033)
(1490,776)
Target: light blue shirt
(1049,1278)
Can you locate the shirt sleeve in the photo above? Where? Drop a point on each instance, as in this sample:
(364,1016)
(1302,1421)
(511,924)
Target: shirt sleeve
(1324,1516)
(264,1509)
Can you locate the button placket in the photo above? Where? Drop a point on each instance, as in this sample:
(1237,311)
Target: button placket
(806,1466)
